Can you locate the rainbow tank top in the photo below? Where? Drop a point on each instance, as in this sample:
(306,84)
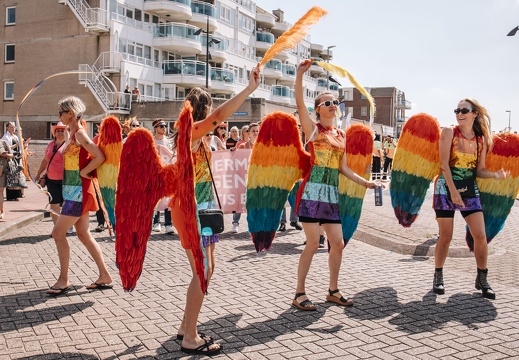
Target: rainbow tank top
(463,166)
(318,195)
(203,184)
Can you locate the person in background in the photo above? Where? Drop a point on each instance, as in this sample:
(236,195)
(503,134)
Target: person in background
(232,140)
(463,150)
(378,155)
(80,157)
(52,166)
(12,140)
(160,129)
(136,94)
(389,151)
(127,96)
(219,136)
(6,154)
(209,141)
(244,135)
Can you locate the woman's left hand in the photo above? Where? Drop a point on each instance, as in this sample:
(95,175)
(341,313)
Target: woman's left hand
(86,175)
(373,184)
(501,174)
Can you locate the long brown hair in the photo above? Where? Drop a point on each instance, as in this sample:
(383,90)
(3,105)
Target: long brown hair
(481,124)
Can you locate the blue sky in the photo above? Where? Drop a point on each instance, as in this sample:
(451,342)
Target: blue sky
(437,52)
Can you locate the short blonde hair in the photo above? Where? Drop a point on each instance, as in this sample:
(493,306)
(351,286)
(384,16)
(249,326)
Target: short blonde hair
(74,104)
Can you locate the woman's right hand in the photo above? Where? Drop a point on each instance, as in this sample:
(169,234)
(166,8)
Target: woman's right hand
(304,66)
(456,198)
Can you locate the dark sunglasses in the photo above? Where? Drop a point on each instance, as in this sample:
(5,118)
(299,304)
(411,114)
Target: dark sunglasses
(135,125)
(161,126)
(210,134)
(328,103)
(463,111)
(61,112)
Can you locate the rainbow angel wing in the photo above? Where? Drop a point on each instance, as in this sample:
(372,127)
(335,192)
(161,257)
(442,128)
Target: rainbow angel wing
(277,162)
(359,147)
(498,196)
(111,144)
(143,181)
(416,163)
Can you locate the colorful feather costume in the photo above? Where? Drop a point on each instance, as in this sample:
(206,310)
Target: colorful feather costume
(359,147)
(415,164)
(143,181)
(277,162)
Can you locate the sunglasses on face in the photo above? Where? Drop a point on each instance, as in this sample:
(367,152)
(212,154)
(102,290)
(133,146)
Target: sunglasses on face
(61,112)
(210,134)
(135,125)
(463,111)
(222,128)
(328,103)
(160,126)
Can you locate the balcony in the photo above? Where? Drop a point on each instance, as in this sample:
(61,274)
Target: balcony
(186,73)
(222,80)
(266,20)
(217,52)
(327,54)
(174,10)
(264,41)
(316,49)
(283,55)
(273,69)
(289,74)
(316,69)
(280,27)
(201,12)
(403,104)
(177,38)
(281,94)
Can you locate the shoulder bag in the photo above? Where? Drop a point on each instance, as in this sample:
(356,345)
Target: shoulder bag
(43,178)
(211,218)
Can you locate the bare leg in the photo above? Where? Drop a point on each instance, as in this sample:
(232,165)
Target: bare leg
(334,233)
(93,248)
(194,300)
(2,203)
(476,224)
(445,226)
(54,214)
(59,234)
(312,231)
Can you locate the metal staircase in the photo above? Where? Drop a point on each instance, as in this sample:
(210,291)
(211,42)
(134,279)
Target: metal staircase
(92,19)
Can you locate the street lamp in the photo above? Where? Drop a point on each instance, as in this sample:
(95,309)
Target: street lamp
(207,55)
(509,116)
(327,72)
(513,31)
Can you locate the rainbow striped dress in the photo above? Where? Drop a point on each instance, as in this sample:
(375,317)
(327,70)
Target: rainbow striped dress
(318,195)
(463,166)
(204,186)
(78,193)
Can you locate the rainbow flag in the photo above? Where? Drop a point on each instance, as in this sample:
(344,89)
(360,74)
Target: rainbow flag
(359,147)
(277,162)
(415,164)
(498,196)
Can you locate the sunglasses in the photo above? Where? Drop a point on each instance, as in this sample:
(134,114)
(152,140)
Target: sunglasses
(135,125)
(210,134)
(222,128)
(160,126)
(61,112)
(463,111)
(328,103)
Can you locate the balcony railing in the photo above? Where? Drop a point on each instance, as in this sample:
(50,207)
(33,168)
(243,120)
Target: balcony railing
(280,90)
(265,37)
(184,67)
(222,45)
(131,22)
(218,74)
(176,30)
(185,2)
(289,69)
(203,8)
(274,64)
(403,103)
(247,4)
(141,60)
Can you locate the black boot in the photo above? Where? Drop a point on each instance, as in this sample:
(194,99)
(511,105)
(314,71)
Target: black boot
(482,284)
(321,241)
(438,287)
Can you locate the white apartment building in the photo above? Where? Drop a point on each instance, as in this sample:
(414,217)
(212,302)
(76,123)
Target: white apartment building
(162,47)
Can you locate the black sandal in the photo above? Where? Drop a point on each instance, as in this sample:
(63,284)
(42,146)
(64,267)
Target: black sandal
(203,349)
(202,335)
(305,305)
(339,301)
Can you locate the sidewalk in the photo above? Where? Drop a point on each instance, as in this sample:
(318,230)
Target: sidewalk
(378,225)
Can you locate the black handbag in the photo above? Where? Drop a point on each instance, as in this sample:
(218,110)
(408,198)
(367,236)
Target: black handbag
(211,218)
(466,187)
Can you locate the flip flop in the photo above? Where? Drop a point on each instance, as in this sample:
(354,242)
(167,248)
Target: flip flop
(59,291)
(202,335)
(200,350)
(101,287)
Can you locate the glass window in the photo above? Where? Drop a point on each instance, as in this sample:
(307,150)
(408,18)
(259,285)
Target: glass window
(8,90)
(129,13)
(363,111)
(138,15)
(9,53)
(10,15)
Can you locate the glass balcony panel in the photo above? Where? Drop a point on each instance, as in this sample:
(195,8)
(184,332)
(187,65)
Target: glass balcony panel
(203,8)
(289,69)
(281,91)
(175,30)
(265,37)
(274,64)
(222,75)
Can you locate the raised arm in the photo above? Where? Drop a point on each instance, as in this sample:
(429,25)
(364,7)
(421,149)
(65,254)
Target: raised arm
(304,116)
(225,110)
(482,171)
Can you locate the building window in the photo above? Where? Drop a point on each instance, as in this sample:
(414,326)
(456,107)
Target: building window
(363,111)
(10,15)
(9,53)
(8,90)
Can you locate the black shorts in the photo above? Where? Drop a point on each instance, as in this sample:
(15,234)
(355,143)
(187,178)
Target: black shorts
(305,219)
(56,191)
(450,213)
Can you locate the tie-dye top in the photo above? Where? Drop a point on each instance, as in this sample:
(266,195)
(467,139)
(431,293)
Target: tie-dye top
(318,195)
(78,192)
(203,185)
(463,166)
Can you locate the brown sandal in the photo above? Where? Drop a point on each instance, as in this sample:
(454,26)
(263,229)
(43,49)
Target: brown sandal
(339,301)
(305,305)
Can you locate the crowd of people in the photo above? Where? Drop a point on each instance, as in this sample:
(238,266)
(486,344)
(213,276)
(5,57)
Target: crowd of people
(71,158)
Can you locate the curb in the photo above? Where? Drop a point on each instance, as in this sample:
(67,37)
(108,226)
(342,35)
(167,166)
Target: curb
(23,221)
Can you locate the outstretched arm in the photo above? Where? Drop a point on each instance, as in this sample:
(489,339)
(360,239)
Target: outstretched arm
(482,171)
(304,116)
(226,109)
(350,174)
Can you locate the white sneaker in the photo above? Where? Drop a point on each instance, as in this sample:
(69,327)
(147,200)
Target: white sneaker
(71,230)
(157,227)
(235,228)
(170,229)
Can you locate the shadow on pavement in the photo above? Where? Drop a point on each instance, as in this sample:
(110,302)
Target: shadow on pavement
(416,316)
(25,240)
(132,350)
(14,318)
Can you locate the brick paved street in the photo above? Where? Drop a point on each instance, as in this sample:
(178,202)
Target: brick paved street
(248,306)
